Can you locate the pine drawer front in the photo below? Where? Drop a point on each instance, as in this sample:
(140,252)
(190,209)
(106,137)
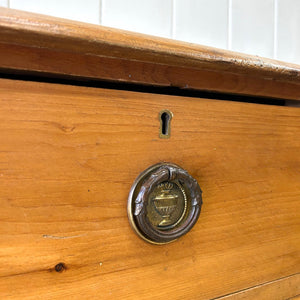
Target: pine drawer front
(68,157)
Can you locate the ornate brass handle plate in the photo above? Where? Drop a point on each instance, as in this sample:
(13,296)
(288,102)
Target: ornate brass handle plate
(164,203)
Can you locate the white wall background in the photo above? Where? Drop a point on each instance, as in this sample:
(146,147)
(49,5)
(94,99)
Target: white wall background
(268,28)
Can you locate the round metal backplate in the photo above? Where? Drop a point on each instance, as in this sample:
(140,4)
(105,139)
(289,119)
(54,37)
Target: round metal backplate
(164,203)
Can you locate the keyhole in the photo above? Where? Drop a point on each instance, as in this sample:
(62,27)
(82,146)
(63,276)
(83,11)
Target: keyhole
(165,117)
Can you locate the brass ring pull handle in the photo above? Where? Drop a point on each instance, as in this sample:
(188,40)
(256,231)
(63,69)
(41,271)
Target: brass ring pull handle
(164,203)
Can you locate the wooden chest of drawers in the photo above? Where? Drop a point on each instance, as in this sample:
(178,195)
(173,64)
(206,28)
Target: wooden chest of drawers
(79,122)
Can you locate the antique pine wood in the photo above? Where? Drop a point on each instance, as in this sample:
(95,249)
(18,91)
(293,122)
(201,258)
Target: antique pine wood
(280,289)
(45,45)
(68,157)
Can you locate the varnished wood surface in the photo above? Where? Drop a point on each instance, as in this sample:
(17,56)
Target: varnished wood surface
(68,157)
(281,289)
(57,47)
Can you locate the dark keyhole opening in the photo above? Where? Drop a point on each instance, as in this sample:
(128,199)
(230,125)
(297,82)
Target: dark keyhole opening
(165,123)
(165,119)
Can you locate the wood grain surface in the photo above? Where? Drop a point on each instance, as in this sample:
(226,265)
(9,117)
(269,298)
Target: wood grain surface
(33,43)
(281,289)
(68,157)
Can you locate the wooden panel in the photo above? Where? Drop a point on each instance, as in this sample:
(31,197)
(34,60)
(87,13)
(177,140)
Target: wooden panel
(35,43)
(281,289)
(68,157)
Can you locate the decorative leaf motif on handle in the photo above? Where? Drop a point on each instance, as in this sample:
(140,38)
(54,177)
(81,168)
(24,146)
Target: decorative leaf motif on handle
(164,203)
(157,176)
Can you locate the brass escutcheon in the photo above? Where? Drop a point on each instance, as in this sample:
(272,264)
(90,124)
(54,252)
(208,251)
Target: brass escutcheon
(164,203)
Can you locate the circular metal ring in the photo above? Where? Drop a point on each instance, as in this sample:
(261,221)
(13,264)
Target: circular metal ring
(164,203)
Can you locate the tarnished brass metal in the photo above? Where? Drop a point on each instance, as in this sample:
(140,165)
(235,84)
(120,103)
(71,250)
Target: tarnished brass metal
(164,203)
(165,116)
